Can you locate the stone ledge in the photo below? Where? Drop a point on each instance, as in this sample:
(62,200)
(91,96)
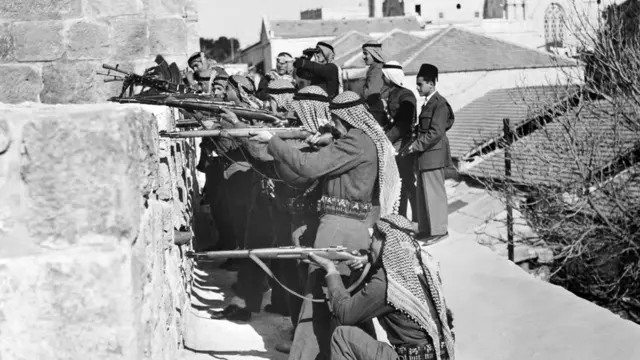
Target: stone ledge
(130,37)
(103,8)
(85,169)
(72,304)
(168,36)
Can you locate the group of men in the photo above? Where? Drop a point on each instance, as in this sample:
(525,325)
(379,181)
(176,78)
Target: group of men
(348,184)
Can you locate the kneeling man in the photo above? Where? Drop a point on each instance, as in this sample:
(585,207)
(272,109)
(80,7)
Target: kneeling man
(404,292)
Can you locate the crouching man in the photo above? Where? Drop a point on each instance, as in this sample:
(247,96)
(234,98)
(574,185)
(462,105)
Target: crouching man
(404,292)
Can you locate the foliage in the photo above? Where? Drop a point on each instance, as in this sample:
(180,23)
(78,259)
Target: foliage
(221,49)
(579,171)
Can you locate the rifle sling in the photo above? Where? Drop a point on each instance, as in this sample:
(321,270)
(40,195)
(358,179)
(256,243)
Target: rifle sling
(268,271)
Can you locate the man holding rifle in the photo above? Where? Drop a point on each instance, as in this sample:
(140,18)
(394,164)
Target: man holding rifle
(404,291)
(360,173)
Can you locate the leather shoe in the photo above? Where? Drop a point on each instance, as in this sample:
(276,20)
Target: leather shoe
(222,314)
(239,314)
(432,239)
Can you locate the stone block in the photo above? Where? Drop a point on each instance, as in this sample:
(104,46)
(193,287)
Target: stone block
(38,40)
(40,9)
(87,169)
(160,8)
(168,36)
(19,83)
(131,39)
(103,8)
(6,43)
(75,82)
(71,304)
(88,40)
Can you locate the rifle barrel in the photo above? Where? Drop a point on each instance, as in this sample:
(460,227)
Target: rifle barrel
(115,68)
(283,133)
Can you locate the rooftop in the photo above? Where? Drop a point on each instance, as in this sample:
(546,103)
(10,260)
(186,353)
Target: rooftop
(323,28)
(482,119)
(554,155)
(454,49)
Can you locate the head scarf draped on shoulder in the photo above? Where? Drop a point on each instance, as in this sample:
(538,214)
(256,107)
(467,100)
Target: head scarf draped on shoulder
(282,92)
(311,104)
(349,107)
(245,89)
(404,260)
(393,71)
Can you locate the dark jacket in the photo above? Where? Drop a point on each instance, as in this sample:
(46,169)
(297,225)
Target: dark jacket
(325,76)
(432,144)
(372,93)
(401,106)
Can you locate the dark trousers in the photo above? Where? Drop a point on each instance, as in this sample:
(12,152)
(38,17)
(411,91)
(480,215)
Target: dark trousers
(352,343)
(259,233)
(316,323)
(432,203)
(408,191)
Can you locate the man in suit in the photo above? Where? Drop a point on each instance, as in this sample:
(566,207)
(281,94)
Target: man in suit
(431,148)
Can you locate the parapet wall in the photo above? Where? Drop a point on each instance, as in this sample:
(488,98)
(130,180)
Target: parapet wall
(90,200)
(50,50)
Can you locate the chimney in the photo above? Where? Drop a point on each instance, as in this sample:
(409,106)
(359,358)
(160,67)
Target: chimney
(375,8)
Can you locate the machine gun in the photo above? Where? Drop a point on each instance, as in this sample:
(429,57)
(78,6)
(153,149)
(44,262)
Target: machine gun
(283,133)
(162,78)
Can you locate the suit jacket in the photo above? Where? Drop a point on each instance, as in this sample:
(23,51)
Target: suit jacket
(432,144)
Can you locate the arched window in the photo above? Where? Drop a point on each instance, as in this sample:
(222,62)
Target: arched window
(554,27)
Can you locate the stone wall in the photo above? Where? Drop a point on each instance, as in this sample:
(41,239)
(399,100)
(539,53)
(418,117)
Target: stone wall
(90,203)
(50,50)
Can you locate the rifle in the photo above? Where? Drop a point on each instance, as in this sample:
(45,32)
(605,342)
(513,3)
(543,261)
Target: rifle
(216,108)
(334,253)
(145,80)
(283,133)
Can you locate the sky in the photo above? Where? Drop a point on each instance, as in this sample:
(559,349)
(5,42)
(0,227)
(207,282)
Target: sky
(242,18)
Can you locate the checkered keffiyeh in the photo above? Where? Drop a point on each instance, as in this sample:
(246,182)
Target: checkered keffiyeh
(349,107)
(311,104)
(282,92)
(244,89)
(404,260)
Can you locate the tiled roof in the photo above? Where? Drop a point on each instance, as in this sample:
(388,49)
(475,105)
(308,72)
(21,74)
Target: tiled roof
(322,28)
(481,120)
(554,156)
(458,50)
(621,194)
(392,43)
(347,45)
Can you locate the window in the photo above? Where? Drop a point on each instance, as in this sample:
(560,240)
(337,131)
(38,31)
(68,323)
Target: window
(477,14)
(419,9)
(441,15)
(554,27)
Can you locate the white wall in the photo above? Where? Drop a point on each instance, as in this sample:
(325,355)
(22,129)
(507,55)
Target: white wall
(462,88)
(432,8)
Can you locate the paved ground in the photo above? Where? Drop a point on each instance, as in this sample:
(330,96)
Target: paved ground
(501,311)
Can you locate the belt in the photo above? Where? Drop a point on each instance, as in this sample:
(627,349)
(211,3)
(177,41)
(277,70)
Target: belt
(342,207)
(301,206)
(420,352)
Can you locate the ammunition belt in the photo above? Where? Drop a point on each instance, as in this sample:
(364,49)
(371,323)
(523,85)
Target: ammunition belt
(301,206)
(342,207)
(420,352)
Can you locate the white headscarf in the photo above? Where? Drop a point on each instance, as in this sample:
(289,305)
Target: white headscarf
(393,71)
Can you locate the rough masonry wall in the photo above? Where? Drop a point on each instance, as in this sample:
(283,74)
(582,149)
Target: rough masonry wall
(90,199)
(50,50)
